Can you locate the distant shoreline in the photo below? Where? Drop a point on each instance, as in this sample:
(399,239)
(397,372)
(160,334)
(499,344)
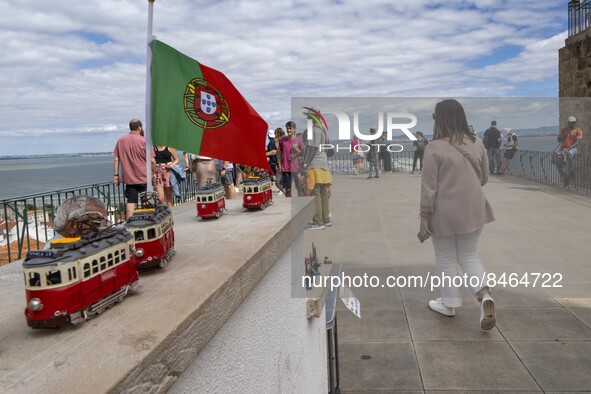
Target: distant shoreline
(55,155)
(103,154)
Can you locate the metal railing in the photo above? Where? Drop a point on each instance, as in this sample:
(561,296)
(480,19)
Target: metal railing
(579,16)
(342,162)
(532,165)
(28,220)
(536,166)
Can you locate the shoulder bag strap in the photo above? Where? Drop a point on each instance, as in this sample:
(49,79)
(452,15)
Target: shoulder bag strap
(476,170)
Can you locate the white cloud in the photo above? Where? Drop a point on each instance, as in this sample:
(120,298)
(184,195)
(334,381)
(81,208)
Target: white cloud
(71,66)
(537,62)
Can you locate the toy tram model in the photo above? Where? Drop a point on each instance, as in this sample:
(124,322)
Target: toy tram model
(152,229)
(257,193)
(211,201)
(78,278)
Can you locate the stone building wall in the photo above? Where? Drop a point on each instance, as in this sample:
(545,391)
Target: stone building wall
(574,84)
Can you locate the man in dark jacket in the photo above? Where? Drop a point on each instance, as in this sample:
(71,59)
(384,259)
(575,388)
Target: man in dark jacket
(492,142)
(272,152)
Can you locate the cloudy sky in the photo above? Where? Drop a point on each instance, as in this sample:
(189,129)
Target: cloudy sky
(72,73)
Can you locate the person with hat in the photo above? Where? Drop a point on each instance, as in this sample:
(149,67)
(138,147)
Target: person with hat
(569,139)
(510,149)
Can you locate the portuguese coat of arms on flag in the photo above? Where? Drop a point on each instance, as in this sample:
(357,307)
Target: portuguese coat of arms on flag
(198,110)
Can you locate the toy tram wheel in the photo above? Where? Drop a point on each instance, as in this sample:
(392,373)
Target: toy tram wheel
(100,310)
(162,264)
(90,313)
(218,214)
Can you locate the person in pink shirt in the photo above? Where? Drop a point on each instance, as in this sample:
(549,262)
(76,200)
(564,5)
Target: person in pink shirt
(130,155)
(289,149)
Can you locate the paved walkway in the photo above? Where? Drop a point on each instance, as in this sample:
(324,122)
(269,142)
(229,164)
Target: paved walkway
(542,342)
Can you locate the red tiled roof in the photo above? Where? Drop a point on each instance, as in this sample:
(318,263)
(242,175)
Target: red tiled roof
(14,249)
(11,225)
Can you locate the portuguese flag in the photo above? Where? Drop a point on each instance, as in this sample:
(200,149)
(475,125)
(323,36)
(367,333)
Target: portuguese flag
(196,109)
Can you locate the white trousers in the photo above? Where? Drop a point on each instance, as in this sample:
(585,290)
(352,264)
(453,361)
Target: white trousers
(454,250)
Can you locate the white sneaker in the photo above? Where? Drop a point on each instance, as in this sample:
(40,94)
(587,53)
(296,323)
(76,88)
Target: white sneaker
(437,306)
(487,313)
(279,193)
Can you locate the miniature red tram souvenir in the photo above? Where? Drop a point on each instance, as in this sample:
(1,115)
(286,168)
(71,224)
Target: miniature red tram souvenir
(152,229)
(211,202)
(78,278)
(257,193)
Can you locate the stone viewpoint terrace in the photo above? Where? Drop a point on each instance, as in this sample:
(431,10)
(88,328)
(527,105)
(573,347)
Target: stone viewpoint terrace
(542,342)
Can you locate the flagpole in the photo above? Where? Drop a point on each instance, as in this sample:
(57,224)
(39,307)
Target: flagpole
(148,121)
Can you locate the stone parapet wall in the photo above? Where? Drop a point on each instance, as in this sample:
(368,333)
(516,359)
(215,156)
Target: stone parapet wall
(574,84)
(143,344)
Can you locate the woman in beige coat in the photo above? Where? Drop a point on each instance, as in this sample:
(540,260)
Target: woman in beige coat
(454,208)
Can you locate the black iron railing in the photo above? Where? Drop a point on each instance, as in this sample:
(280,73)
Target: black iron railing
(536,166)
(342,162)
(26,222)
(579,16)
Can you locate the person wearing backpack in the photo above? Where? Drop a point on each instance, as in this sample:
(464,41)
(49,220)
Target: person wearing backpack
(419,145)
(569,139)
(492,142)
(510,149)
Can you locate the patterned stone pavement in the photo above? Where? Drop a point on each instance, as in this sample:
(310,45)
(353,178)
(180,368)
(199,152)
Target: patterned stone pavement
(542,341)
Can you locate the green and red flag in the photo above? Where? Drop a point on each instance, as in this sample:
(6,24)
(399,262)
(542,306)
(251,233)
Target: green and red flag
(197,109)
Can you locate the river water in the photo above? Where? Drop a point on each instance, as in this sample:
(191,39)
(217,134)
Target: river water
(24,176)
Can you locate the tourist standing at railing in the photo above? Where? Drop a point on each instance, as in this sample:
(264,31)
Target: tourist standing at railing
(510,149)
(130,155)
(226,170)
(454,209)
(373,157)
(272,153)
(385,155)
(288,158)
(279,135)
(78,216)
(356,155)
(492,142)
(166,158)
(569,139)
(204,170)
(419,145)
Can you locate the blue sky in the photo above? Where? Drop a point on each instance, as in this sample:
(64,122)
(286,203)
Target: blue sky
(73,73)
